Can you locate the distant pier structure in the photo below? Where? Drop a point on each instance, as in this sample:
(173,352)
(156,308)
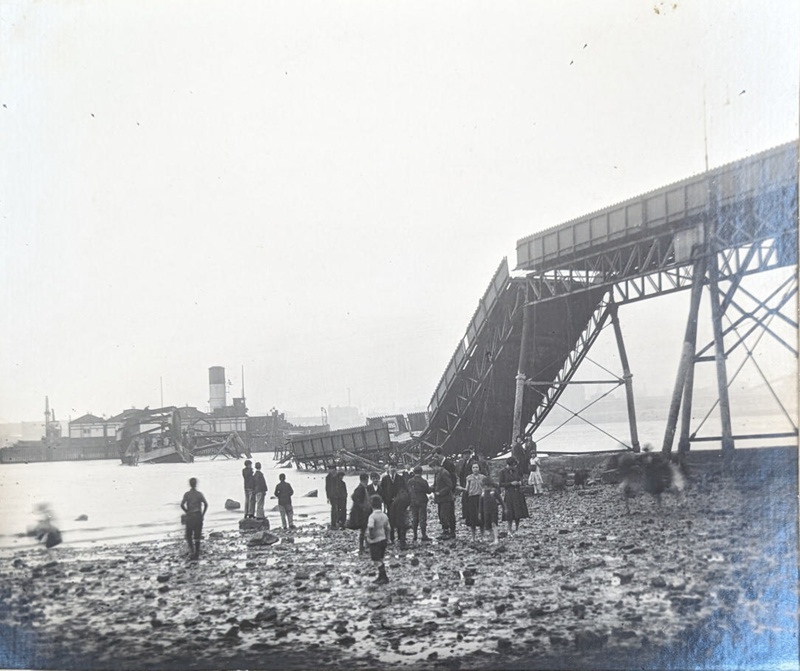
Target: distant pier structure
(531,331)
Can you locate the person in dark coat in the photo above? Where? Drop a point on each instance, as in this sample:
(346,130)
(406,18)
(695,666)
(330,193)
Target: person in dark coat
(448,464)
(374,486)
(360,512)
(249,495)
(330,488)
(444,497)
(259,490)
(284,493)
(418,491)
(398,511)
(390,485)
(518,453)
(339,501)
(511,483)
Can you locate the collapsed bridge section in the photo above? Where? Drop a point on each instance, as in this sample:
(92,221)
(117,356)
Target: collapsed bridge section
(530,333)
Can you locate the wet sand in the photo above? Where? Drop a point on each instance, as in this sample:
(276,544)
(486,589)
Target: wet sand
(704,584)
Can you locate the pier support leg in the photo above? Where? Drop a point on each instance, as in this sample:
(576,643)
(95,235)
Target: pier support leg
(719,358)
(687,353)
(626,375)
(524,349)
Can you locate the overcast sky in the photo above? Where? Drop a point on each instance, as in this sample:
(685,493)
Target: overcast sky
(321,191)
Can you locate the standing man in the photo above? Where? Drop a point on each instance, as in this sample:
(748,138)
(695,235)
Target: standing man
(418,490)
(339,502)
(249,494)
(443,495)
(374,486)
(284,492)
(330,494)
(447,464)
(390,487)
(194,504)
(260,490)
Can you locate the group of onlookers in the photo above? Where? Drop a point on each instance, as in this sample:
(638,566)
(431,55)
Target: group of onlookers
(382,505)
(255,492)
(402,499)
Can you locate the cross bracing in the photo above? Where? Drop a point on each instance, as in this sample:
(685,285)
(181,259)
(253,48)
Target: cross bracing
(731,222)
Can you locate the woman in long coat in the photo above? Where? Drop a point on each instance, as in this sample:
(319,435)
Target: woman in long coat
(360,512)
(511,483)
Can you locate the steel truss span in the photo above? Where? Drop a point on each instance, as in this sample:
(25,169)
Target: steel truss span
(530,334)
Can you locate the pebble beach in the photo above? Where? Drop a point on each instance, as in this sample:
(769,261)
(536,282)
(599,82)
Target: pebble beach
(709,582)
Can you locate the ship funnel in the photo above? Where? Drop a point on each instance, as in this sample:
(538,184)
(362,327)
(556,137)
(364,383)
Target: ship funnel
(216,387)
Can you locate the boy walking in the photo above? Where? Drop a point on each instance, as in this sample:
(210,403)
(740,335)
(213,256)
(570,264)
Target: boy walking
(378,530)
(283,492)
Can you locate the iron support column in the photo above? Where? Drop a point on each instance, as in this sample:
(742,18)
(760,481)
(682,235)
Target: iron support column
(719,358)
(626,375)
(527,333)
(687,353)
(688,392)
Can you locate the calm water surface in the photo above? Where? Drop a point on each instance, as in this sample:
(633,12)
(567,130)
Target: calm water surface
(125,503)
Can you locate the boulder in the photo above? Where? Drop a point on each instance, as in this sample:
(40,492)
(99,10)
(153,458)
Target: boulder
(262,538)
(230,504)
(312,494)
(253,524)
(81,518)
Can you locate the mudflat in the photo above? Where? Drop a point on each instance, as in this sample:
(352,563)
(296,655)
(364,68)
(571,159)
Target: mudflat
(702,583)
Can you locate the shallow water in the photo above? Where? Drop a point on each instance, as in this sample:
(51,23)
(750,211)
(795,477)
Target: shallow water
(125,503)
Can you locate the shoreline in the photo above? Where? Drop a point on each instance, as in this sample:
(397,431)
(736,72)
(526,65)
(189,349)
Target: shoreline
(582,585)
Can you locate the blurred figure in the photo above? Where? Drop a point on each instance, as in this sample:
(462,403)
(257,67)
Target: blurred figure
(194,504)
(582,478)
(45,531)
(650,472)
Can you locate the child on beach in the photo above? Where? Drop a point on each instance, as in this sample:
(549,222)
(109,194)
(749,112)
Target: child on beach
(378,531)
(194,504)
(474,488)
(490,503)
(284,492)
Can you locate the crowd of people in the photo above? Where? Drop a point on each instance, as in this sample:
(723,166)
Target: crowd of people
(384,507)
